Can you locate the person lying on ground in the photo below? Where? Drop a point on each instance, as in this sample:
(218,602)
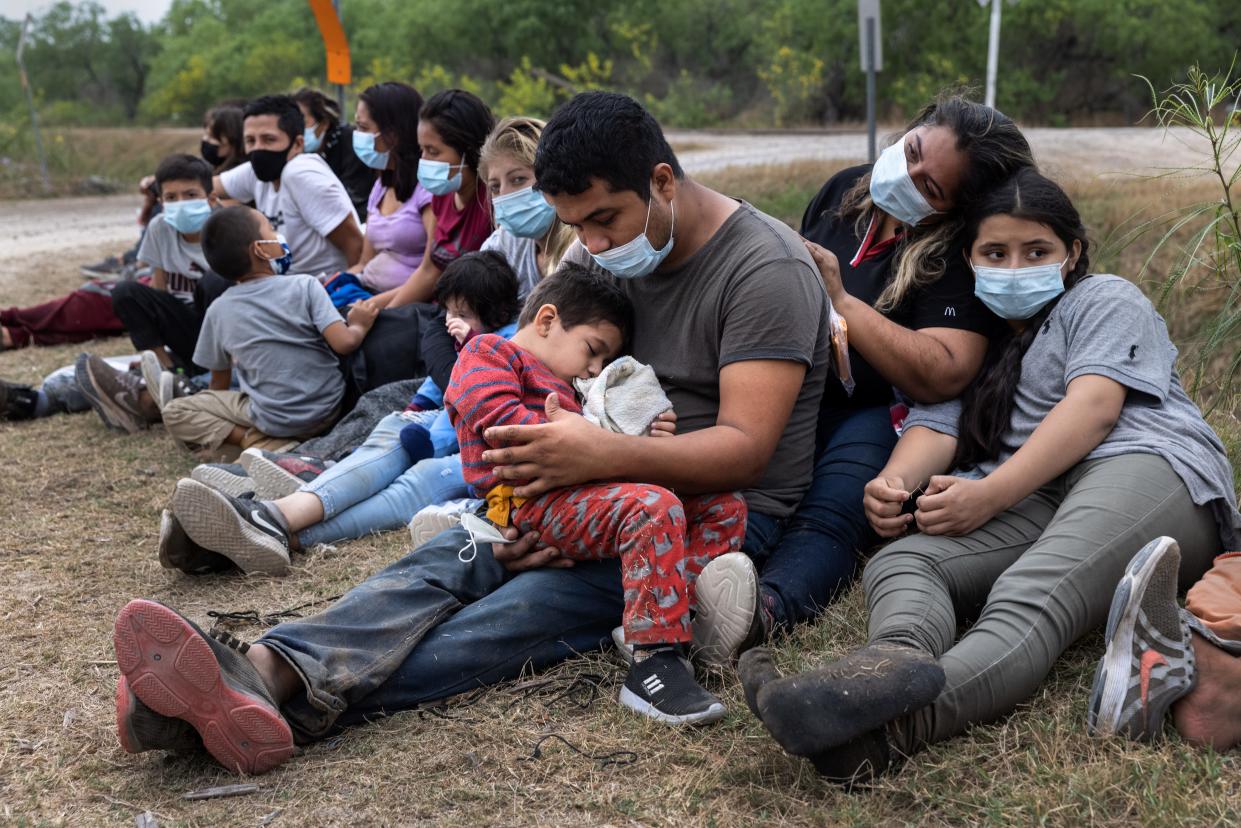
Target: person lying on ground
(746,393)
(1076,445)
(377,488)
(297,191)
(326,136)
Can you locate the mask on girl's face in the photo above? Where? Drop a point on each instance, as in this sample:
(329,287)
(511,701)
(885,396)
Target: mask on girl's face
(639,257)
(893,191)
(364,148)
(524,213)
(210,153)
(434,176)
(187,216)
(281,265)
(1018,292)
(268,164)
(310,141)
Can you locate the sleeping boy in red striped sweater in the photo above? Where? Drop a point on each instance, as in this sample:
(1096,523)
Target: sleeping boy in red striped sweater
(573,323)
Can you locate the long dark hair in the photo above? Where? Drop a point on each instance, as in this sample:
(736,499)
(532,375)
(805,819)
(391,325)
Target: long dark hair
(462,120)
(995,148)
(394,108)
(225,121)
(322,108)
(987,404)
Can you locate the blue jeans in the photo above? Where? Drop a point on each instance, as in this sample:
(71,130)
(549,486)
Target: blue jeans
(375,489)
(429,626)
(809,560)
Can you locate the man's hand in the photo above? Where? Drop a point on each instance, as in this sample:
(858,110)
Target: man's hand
(829,272)
(458,329)
(561,452)
(665,425)
(882,500)
(523,553)
(955,506)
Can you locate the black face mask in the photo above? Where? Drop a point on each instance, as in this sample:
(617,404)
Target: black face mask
(211,153)
(268,164)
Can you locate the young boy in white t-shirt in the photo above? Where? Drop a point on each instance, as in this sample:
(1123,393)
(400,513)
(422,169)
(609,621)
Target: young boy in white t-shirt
(297,191)
(279,333)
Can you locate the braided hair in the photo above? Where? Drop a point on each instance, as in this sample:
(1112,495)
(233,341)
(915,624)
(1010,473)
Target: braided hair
(987,404)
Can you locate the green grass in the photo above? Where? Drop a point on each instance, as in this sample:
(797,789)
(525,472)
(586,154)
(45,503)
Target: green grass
(77,540)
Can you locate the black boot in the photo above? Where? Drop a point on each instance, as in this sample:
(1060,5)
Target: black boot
(17,401)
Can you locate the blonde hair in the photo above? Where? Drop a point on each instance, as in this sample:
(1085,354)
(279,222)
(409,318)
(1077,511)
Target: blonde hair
(994,148)
(518,139)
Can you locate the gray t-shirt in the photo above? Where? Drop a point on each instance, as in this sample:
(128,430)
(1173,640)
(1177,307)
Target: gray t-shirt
(522,256)
(1106,326)
(271,331)
(182,261)
(751,292)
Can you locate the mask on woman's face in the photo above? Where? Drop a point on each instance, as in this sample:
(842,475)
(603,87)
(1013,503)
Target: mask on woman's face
(1018,292)
(524,213)
(639,257)
(364,148)
(434,176)
(310,141)
(211,153)
(893,191)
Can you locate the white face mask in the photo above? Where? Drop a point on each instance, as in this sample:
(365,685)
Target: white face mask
(893,191)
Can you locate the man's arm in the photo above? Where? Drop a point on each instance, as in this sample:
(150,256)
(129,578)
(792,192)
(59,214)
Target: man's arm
(347,238)
(756,399)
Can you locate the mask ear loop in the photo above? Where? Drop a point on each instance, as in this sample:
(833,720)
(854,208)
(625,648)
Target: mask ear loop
(472,545)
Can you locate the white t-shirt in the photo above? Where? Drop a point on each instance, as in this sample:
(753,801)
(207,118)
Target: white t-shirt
(310,203)
(165,248)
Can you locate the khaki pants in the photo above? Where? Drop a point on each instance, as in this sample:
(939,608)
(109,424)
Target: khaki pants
(205,420)
(1216,599)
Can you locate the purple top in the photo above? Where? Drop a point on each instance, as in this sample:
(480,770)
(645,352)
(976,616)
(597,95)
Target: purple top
(399,239)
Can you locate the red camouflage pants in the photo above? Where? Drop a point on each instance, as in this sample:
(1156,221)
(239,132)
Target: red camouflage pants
(663,542)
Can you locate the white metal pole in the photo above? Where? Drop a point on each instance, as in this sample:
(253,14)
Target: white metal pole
(993,51)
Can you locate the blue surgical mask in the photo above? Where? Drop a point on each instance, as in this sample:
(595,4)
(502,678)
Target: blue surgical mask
(893,191)
(187,216)
(435,178)
(1018,292)
(281,265)
(524,213)
(364,147)
(639,257)
(310,141)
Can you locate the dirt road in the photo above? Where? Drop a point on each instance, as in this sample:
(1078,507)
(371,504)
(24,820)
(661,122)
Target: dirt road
(38,227)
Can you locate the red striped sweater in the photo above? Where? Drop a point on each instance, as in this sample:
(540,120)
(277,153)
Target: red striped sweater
(495,383)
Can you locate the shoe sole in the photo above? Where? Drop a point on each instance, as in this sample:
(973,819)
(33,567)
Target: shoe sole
(622,646)
(153,374)
(270,481)
(212,523)
(1115,670)
(172,669)
(112,415)
(223,481)
(639,705)
(727,598)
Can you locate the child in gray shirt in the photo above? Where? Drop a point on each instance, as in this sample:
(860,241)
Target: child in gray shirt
(279,332)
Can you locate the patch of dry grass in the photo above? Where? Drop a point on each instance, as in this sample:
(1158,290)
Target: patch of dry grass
(77,540)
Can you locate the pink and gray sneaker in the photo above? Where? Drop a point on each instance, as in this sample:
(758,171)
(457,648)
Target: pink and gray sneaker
(278,474)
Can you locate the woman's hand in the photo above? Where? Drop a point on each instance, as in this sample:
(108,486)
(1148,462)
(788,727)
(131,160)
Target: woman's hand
(956,505)
(829,272)
(665,425)
(882,500)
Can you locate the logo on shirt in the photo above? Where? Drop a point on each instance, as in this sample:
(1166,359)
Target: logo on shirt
(950,311)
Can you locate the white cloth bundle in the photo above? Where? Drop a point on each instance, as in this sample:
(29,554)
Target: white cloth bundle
(625,398)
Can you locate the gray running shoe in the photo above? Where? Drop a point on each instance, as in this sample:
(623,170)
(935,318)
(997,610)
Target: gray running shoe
(729,616)
(1149,661)
(277,474)
(241,529)
(230,478)
(115,395)
(178,551)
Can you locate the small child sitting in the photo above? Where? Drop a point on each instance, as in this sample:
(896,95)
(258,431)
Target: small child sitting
(572,324)
(280,332)
(478,292)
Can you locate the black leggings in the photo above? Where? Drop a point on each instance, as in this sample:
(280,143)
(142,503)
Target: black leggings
(155,318)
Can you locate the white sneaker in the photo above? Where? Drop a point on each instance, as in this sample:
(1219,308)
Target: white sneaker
(437,517)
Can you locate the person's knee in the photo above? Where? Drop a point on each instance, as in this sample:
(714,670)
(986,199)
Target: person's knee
(125,294)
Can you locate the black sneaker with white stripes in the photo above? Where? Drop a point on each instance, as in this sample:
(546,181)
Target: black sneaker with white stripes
(661,685)
(248,532)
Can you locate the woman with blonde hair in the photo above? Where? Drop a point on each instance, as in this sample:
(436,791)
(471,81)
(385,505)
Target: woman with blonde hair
(527,232)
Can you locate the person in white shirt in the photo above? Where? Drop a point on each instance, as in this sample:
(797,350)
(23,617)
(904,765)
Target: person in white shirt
(297,191)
